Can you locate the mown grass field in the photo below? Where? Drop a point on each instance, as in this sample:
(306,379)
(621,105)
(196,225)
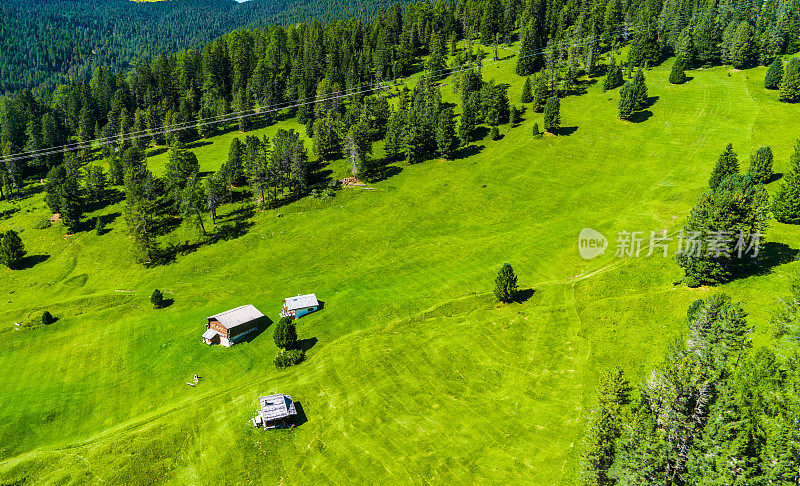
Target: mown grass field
(416,375)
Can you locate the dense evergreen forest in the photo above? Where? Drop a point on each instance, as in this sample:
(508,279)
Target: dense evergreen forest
(47,42)
(713,413)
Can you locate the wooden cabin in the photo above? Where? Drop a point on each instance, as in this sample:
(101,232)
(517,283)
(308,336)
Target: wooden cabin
(276,411)
(299,306)
(229,327)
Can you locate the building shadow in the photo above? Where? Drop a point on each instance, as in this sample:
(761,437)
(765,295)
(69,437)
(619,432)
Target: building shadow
(263,325)
(300,418)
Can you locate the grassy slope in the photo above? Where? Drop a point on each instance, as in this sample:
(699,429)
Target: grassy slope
(416,375)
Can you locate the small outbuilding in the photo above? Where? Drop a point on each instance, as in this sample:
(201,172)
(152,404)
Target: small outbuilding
(277,411)
(229,327)
(299,306)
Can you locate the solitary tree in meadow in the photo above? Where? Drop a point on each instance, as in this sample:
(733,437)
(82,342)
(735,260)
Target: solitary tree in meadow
(727,164)
(552,115)
(505,285)
(11,249)
(157,299)
(761,165)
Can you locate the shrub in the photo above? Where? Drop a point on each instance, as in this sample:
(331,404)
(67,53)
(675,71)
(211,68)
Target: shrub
(43,224)
(494,133)
(98,226)
(772,80)
(285,358)
(157,299)
(677,76)
(47,318)
(536,132)
(285,333)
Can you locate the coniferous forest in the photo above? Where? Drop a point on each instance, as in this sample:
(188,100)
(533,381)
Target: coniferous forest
(716,410)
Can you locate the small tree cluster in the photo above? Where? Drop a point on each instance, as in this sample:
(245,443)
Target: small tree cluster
(285,335)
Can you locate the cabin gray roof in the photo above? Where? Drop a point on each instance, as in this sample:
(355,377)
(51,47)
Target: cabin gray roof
(238,316)
(276,407)
(210,333)
(301,302)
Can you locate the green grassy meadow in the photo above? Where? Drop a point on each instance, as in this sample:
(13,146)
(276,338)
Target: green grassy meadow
(416,375)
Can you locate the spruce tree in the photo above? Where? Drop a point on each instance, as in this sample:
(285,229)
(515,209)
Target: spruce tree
(639,90)
(157,299)
(614,77)
(535,132)
(540,94)
(743,50)
(760,169)
(446,142)
(644,46)
(772,79)
(786,204)
(527,94)
(11,249)
(466,126)
(285,335)
(727,165)
(790,85)
(552,115)
(505,285)
(677,74)
(515,115)
(528,60)
(494,133)
(627,101)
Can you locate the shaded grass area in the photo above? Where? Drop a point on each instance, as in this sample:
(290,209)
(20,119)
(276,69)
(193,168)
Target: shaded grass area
(413,373)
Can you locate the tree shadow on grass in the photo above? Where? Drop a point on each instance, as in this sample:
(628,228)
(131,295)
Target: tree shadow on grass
(31,261)
(480,133)
(523,295)
(306,344)
(649,102)
(387,171)
(641,116)
(468,151)
(775,177)
(771,255)
(563,131)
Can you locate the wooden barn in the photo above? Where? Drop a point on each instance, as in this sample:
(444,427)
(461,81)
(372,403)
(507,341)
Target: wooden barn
(276,411)
(229,327)
(299,306)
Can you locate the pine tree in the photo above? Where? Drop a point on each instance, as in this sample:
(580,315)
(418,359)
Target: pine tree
(786,204)
(790,85)
(528,60)
(552,115)
(540,94)
(11,249)
(772,79)
(614,77)
(527,95)
(760,169)
(535,132)
(627,101)
(727,165)
(505,285)
(468,121)
(676,75)
(285,335)
(604,428)
(446,141)
(639,90)
(743,50)
(515,116)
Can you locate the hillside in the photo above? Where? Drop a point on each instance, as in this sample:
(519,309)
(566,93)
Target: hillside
(413,373)
(51,42)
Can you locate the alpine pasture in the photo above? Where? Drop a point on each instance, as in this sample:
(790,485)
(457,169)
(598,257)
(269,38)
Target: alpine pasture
(413,373)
